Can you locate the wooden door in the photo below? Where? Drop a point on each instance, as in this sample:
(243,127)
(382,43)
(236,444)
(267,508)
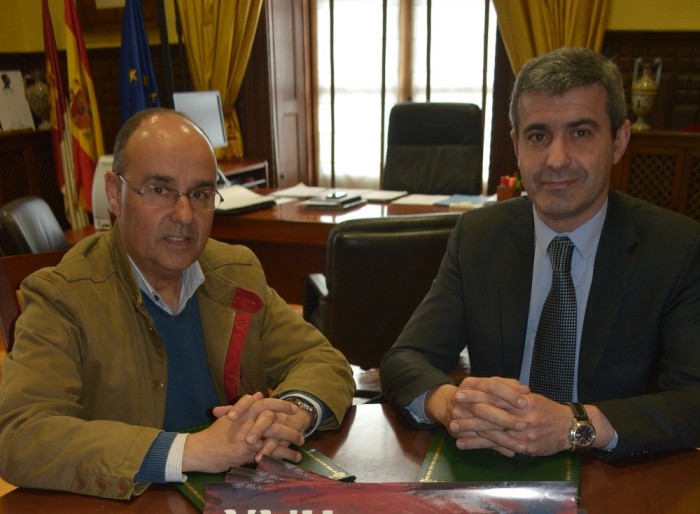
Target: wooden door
(288,34)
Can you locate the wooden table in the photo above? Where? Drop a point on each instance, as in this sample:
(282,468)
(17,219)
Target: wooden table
(291,241)
(377,446)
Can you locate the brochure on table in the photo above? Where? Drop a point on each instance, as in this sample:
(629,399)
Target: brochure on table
(276,486)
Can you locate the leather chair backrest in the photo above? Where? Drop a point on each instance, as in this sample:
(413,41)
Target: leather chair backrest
(377,272)
(28,225)
(434,148)
(14,269)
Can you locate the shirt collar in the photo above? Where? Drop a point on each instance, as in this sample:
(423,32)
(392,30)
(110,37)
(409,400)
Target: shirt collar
(192,278)
(585,237)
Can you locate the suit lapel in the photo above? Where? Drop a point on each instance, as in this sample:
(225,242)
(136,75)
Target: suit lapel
(614,265)
(515,283)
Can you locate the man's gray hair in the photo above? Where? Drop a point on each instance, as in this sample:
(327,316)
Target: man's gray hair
(567,68)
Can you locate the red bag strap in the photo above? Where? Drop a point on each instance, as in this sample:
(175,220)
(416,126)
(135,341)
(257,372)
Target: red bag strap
(246,303)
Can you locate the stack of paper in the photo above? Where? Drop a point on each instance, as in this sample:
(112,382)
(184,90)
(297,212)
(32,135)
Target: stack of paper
(299,191)
(334,200)
(238,199)
(302,191)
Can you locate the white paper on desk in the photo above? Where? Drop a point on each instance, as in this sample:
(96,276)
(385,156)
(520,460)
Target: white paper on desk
(281,200)
(371,195)
(421,199)
(382,195)
(239,197)
(300,191)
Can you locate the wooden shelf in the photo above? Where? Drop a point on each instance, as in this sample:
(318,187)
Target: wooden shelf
(250,173)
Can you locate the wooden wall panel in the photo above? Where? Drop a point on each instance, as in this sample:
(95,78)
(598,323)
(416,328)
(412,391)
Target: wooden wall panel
(26,168)
(677,104)
(662,167)
(691,206)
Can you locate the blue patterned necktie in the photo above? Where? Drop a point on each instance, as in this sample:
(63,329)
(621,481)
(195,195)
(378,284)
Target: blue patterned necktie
(554,354)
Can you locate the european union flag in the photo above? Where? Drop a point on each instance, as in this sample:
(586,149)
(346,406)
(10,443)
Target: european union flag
(137,82)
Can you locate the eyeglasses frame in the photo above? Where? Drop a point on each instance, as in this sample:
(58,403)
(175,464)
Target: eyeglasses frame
(179,194)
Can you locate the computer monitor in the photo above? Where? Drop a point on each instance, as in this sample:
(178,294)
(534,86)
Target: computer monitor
(100,206)
(204,108)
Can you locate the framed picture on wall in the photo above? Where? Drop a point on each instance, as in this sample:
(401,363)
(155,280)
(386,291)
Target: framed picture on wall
(106,15)
(14,108)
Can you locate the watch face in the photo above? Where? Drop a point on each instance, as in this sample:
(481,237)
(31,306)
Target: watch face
(585,434)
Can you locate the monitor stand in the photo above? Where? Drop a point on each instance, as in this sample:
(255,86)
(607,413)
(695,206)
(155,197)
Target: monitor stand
(221,180)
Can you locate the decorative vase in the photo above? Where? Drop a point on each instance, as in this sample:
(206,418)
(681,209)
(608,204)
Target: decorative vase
(38,98)
(644,90)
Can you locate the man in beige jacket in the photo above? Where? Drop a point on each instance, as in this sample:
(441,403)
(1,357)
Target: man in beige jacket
(150,329)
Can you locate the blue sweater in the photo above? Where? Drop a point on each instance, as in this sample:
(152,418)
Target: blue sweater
(190,390)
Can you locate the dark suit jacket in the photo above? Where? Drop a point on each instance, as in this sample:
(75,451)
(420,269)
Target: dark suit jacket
(640,343)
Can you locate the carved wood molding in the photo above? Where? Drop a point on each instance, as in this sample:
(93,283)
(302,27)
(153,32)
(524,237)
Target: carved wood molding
(106,15)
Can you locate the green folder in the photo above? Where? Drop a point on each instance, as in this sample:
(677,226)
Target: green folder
(444,462)
(311,460)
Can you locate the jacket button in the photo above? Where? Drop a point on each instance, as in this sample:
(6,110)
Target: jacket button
(157,384)
(79,483)
(100,484)
(123,487)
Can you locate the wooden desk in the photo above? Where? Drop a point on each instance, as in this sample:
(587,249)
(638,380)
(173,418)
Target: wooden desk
(377,446)
(291,241)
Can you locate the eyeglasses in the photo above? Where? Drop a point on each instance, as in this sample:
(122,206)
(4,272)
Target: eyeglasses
(161,196)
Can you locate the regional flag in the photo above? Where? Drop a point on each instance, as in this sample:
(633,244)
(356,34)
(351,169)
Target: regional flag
(60,134)
(137,82)
(84,116)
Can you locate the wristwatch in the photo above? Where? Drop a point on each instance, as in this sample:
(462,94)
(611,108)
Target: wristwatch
(581,433)
(306,406)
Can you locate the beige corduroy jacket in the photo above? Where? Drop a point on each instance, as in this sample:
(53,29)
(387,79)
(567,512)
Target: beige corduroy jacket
(83,390)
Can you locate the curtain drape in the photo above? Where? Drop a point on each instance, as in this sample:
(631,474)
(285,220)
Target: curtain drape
(218,39)
(533,27)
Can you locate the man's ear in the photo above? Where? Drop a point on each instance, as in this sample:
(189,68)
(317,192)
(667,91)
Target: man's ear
(113,190)
(622,138)
(514,138)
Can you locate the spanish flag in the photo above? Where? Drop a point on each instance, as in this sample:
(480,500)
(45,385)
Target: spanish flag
(84,117)
(61,140)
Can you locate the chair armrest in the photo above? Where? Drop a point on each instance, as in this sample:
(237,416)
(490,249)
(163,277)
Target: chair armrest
(315,294)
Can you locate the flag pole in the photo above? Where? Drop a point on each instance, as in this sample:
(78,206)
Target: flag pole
(167,100)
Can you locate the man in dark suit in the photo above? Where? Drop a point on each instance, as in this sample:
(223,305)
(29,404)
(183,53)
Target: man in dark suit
(635,268)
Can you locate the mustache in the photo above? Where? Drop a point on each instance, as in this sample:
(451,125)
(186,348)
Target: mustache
(559,175)
(179,233)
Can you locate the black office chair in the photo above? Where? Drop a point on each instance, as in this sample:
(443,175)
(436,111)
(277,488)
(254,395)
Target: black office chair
(434,148)
(377,272)
(28,225)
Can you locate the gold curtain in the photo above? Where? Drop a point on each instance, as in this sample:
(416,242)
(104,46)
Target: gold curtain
(532,27)
(218,39)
